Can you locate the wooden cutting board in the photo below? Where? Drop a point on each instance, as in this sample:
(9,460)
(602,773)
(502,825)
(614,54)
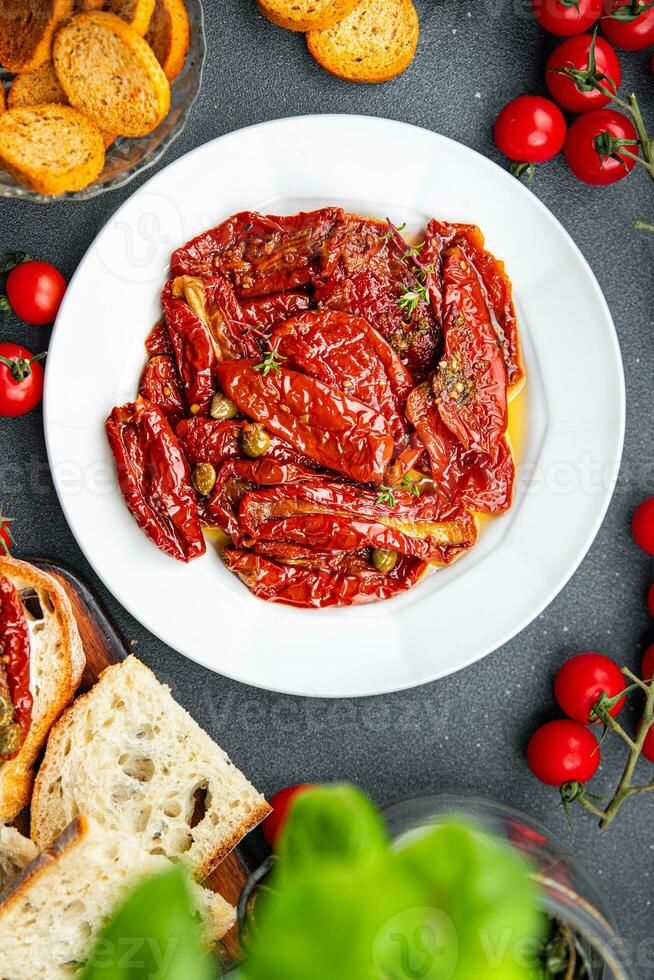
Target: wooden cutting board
(103,646)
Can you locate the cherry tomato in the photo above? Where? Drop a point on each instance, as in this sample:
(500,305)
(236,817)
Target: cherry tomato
(574,53)
(647,668)
(565,17)
(35,291)
(583,155)
(582,679)
(530,129)
(6,537)
(280,804)
(629,24)
(21,380)
(563,751)
(642,526)
(648,745)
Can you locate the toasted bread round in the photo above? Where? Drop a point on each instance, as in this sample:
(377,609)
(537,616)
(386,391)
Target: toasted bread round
(375,43)
(51,149)
(136,13)
(38,87)
(109,72)
(42,87)
(26,31)
(56,665)
(3,104)
(169,36)
(306,15)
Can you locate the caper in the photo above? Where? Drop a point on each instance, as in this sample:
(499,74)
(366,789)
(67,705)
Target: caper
(222,408)
(384,559)
(6,710)
(10,739)
(204,478)
(255,441)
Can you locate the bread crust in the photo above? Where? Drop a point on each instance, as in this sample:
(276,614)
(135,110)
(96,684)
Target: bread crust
(136,13)
(334,51)
(169,36)
(16,775)
(79,83)
(16,17)
(3,101)
(325,13)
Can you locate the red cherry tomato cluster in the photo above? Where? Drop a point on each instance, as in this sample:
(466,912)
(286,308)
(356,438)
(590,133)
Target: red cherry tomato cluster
(600,144)
(565,751)
(281,804)
(34,291)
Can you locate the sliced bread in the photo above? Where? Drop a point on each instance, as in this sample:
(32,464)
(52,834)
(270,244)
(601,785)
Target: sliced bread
(306,15)
(16,852)
(375,43)
(51,149)
(127,755)
(3,101)
(57,662)
(136,13)
(51,914)
(38,87)
(169,36)
(26,31)
(42,87)
(110,72)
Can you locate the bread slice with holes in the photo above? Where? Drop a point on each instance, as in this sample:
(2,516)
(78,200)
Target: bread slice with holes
(51,915)
(42,87)
(306,15)
(127,755)
(375,43)
(52,149)
(26,31)
(16,852)
(169,36)
(56,666)
(110,72)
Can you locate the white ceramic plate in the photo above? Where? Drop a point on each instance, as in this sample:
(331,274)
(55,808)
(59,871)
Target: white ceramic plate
(575,408)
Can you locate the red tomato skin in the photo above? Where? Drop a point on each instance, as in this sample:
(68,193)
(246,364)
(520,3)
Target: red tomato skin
(35,291)
(564,20)
(642,526)
(574,53)
(6,540)
(19,397)
(648,745)
(632,35)
(581,155)
(647,667)
(581,680)
(280,804)
(530,129)
(563,751)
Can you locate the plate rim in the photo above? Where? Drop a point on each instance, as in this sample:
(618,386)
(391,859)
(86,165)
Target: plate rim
(617,363)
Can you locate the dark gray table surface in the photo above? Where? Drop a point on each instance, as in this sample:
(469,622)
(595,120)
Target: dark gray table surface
(467,731)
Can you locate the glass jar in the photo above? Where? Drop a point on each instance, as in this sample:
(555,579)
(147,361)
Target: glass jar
(567,895)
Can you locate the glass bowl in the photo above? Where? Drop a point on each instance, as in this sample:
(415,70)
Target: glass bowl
(128,157)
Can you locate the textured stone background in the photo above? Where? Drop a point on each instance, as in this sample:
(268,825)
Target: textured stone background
(468,731)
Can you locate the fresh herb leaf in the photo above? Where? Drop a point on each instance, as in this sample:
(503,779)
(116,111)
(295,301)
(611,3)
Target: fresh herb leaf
(393,229)
(271,361)
(410,485)
(343,902)
(410,298)
(5,305)
(153,935)
(386,497)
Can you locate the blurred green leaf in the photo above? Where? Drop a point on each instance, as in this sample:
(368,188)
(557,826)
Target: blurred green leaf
(331,824)
(343,905)
(153,935)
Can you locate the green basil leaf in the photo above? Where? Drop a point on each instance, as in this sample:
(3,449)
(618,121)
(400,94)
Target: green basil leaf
(153,935)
